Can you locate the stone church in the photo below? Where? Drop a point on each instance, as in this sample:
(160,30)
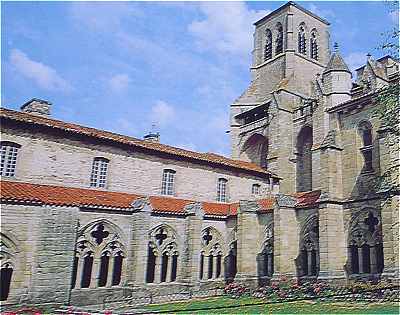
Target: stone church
(90,217)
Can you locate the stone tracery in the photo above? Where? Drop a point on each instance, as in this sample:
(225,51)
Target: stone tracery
(162,263)
(365,249)
(99,256)
(211,262)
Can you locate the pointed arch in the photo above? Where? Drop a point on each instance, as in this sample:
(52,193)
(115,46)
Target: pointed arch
(309,247)
(100,244)
(8,263)
(365,243)
(211,255)
(255,149)
(265,259)
(314,44)
(279,39)
(304,159)
(163,253)
(268,45)
(301,38)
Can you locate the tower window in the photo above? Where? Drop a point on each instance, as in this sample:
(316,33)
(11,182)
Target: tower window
(302,41)
(9,152)
(98,177)
(279,40)
(167,187)
(221,190)
(365,132)
(314,46)
(268,45)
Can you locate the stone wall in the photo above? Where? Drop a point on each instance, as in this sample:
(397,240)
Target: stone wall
(49,158)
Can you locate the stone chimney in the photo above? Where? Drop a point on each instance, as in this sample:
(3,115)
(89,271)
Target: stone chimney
(37,107)
(152,137)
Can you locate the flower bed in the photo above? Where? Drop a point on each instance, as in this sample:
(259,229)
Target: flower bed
(284,290)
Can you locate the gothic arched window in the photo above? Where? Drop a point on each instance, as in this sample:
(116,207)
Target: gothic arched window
(98,178)
(309,248)
(99,252)
(8,250)
(279,40)
(162,261)
(365,248)
(302,40)
(268,45)
(8,163)
(211,254)
(314,45)
(304,159)
(365,132)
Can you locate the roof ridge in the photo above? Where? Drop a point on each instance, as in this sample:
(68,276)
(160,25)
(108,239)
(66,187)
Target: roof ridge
(157,147)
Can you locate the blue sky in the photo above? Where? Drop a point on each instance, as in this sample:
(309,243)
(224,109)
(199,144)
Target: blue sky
(123,66)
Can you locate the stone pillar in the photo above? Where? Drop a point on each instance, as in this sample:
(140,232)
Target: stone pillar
(54,256)
(110,271)
(157,268)
(373,262)
(169,269)
(309,262)
(247,242)
(332,244)
(94,279)
(389,207)
(191,257)
(286,236)
(79,273)
(360,260)
(215,262)
(137,259)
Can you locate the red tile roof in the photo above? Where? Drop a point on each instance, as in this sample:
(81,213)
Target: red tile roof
(216,209)
(266,205)
(64,196)
(168,204)
(78,197)
(307,199)
(217,160)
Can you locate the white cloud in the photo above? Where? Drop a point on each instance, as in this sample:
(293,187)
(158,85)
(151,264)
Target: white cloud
(119,82)
(162,113)
(102,16)
(44,76)
(226,28)
(355,60)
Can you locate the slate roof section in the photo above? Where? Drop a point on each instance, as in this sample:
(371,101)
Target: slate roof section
(336,63)
(151,147)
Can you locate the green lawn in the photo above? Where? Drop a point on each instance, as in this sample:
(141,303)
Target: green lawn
(248,305)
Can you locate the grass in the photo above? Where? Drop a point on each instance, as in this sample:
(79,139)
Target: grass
(249,305)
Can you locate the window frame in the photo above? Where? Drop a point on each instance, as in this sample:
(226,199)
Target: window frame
(258,186)
(99,176)
(222,183)
(8,166)
(168,185)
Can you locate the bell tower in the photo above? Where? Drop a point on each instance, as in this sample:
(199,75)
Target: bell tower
(291,49)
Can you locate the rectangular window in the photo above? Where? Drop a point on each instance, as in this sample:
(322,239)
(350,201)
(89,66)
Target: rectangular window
(221,190)
(9,152)
(255,189)
(168,179)
(98,177)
